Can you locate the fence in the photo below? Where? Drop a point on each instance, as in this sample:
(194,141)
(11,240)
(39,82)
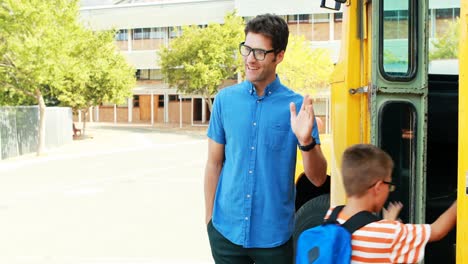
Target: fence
(19,128)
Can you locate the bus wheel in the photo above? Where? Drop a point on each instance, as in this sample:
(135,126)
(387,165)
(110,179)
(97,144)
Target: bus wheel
(311,214)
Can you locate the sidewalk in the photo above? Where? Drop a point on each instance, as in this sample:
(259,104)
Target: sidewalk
(101,138)
(124,195)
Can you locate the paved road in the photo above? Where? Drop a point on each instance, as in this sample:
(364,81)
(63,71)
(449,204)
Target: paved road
(127,195)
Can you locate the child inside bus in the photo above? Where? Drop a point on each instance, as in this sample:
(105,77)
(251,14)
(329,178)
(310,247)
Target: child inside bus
(367,178)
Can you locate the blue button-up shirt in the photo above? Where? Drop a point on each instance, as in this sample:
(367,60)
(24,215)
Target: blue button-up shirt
(254,201)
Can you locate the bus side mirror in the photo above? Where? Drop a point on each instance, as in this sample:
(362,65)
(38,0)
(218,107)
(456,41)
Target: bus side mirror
(326,4)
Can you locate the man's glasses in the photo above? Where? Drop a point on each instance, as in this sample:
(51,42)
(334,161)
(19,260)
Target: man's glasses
(391,185)
(259,54)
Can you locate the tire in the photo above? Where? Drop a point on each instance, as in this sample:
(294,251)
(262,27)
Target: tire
(310,214)
(306,190)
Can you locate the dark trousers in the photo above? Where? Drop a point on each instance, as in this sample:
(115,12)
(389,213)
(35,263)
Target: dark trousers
(225,252)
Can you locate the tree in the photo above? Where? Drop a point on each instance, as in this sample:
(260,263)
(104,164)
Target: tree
(97,73)
(32,44)
(47,55)
(446,46)
(202,58)
(305,69)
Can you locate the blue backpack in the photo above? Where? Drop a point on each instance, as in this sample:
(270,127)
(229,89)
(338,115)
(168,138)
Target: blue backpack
(330,242)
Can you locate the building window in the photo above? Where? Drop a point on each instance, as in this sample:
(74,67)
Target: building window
(319,18)
(142,74)
(298,18)
(175,32)
(161,101)
(137,74)
(338,17)
(155,75)
(447,13)
(141,33)
(157,33)
(136,101)
(121,35)
(149,74)
(173,98)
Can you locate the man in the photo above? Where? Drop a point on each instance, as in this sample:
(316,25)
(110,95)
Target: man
(253,136)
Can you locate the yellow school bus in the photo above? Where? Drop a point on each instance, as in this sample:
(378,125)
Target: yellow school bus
(384,93)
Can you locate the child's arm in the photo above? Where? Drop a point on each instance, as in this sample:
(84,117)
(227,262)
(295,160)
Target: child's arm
(444,223)
(392,211)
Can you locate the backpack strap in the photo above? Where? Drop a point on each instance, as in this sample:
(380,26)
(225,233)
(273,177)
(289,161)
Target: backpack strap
(334,215)
(355,222)
(359,220)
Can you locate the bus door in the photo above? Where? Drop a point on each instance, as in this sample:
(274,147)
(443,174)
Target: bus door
(462,202)
(408,109)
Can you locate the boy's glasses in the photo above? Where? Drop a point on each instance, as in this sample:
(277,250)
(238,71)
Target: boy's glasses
(391,185)
(259,54)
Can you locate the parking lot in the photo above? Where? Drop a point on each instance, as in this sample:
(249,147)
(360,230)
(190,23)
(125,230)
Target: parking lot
(126,194)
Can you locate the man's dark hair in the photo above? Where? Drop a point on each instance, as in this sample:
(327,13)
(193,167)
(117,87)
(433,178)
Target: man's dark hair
(271,26)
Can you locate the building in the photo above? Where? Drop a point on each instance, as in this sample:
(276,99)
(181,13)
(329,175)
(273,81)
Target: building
(144,26)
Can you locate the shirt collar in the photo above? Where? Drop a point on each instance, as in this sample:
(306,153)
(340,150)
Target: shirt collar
(269,90)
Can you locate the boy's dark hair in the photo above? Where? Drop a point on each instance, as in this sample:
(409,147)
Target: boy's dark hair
(271,26)
(362,166)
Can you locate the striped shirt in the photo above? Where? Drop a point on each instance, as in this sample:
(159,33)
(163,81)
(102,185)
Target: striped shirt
(387,241)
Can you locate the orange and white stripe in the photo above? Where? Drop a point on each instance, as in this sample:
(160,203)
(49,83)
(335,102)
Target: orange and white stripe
(387,241)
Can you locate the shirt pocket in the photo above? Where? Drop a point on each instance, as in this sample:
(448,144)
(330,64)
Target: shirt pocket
(277,136)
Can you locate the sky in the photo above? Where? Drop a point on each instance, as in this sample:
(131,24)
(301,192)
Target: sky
(96,2)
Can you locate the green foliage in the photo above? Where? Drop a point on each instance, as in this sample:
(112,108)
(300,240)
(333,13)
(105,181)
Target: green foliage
(96,73)
(446,45)
(10,96)
(391,58)
(31,41)
(303,69)
(47,56)
(45,51)
(202,58)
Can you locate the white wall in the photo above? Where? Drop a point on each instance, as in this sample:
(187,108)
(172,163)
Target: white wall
(279,7)
(157,14)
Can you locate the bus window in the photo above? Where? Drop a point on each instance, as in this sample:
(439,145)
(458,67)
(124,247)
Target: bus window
(444,31)
(397,54)
(397,122)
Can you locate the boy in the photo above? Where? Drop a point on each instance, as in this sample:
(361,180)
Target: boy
(367,176)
